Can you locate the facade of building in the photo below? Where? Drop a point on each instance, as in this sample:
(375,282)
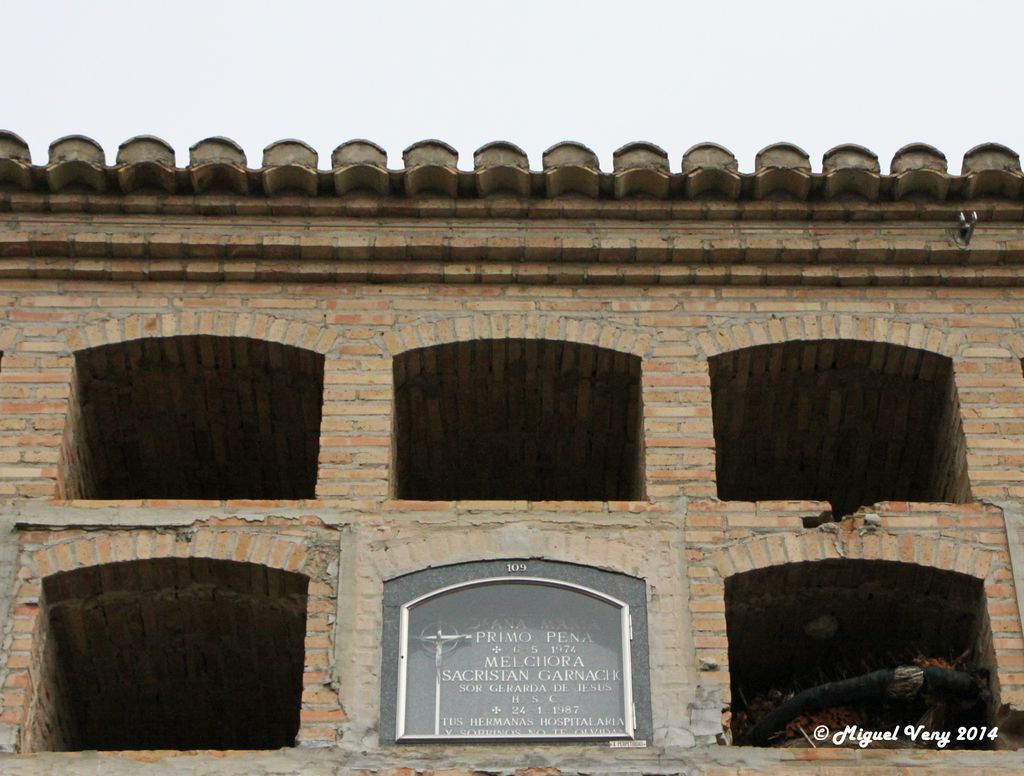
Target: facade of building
(240,407)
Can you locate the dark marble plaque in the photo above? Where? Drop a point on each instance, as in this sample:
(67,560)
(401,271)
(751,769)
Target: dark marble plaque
(515,656)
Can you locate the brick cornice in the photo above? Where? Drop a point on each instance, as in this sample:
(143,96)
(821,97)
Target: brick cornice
(371,207)
(851,176)
(596,252)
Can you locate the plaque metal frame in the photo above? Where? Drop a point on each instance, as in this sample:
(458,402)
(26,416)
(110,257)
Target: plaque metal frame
(625,628)
(615,588)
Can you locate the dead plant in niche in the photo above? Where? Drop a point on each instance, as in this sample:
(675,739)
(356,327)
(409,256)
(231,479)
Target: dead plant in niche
(930,693)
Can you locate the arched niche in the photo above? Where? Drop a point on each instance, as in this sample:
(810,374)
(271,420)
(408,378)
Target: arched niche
(517,419)
(169,653)
(831,628)
(194,417)
(850,421)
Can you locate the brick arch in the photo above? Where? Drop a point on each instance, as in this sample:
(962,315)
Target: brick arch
(761,552)
(828,327)
(300,334)
(527,326)
(287,553)
(510,541)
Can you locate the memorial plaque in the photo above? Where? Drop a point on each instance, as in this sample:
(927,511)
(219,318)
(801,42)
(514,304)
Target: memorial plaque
(515,656)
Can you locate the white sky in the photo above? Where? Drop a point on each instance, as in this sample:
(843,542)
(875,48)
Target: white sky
(743,74)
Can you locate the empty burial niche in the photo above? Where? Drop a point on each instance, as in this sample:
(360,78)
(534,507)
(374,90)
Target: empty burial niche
(876,644)
(844,421)
(517,419)
(169,654)
(194,417)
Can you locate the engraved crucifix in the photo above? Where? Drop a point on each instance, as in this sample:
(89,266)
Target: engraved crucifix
(443,644)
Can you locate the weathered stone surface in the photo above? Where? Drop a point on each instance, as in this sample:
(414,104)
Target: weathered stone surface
(360,165)
(502,167)
(8,738)
(76,159)
(782,172)
(570,154)
(217,150)
(218,163)
(500,153)
(14,147)
(992,170)
(289,165)
(675,741)
(852,169)
(920,171)
(711,170)
(146,148)
(571,168)
(430,167)
(15,160)
(641,169)
(145,161)
(782,169)
(359,152)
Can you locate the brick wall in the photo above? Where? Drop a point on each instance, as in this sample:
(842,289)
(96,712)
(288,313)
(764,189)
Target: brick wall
(673,298)
(358,377)
(50,723)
